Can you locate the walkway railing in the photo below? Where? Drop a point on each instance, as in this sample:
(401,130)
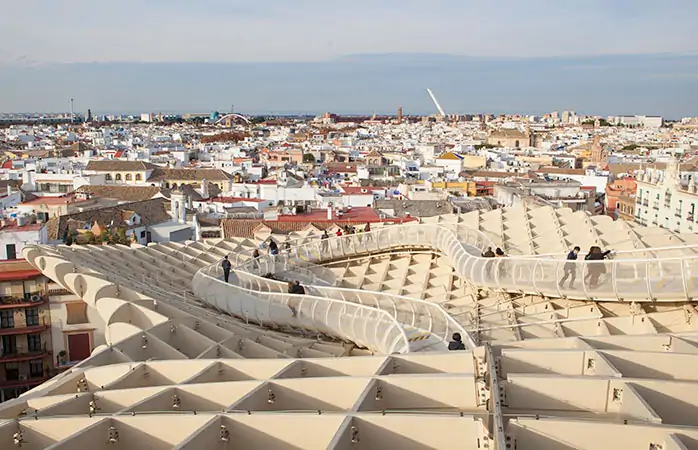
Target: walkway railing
(652,279)
(366,326)
(647,279)
(418,314)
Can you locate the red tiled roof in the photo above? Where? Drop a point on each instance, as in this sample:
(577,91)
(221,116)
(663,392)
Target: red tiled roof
(361,214)
(62,200)
(11,225)
(235,200)
(317,218)
(358,190)
(261,182)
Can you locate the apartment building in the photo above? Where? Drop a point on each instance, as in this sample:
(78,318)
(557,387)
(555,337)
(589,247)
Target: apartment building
(25,329)
(667,198)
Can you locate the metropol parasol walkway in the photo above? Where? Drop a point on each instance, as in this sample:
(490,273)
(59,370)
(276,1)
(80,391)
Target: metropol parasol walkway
(186,360)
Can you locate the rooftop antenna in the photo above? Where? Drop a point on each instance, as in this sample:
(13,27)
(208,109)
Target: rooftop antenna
(436,102)
(232,109)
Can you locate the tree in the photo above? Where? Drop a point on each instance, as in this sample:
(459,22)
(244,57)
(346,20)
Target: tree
(309,158)
(88,237)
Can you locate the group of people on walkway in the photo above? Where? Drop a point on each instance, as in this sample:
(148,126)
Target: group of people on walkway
(498,253)
(347,230)
(594,271)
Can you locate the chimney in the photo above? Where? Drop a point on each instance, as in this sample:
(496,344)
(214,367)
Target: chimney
(204,188)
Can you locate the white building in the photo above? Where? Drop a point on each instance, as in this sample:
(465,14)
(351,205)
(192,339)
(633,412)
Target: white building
(18,233)
(667,198)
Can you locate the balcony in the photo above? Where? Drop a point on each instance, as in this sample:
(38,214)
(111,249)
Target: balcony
(645,203)
(29,300)
(689,217)
(44,325)
(677,213)
(6,357)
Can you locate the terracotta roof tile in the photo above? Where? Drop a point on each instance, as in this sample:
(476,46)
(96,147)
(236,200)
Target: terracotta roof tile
(109,165)
(152,212)
(121,192)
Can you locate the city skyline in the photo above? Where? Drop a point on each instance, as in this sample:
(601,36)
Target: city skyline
(663,85)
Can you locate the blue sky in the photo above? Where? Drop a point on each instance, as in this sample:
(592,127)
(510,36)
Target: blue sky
(45,42)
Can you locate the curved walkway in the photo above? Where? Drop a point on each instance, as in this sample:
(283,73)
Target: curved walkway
(394,323)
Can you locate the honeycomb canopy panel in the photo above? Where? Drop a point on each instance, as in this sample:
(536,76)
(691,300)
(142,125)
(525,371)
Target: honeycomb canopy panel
(183,358)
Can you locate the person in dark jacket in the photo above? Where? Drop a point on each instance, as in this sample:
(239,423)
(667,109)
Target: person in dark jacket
(570,267)
(597,268)
(226,268)
(499,253)
(456,342)
(273,248)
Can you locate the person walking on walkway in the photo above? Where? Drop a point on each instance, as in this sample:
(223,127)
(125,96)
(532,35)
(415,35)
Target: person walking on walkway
(339,241)
(226,268)
(323,244)
(367,229)
(255,260)
(499,253)
(298,288)
(570,267)
(292,289)
(456,342)
(273,248)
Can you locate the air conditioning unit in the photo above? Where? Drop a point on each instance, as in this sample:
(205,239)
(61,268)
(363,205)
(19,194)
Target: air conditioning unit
(35,298)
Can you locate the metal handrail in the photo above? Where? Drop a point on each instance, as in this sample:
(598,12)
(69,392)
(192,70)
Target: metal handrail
(394,339)
(646,279)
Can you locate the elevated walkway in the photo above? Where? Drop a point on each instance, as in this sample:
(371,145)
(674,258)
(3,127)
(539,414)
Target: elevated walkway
(419,325)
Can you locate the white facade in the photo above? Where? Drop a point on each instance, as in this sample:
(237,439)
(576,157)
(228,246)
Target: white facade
(667,199)
(19,237)
(10,200)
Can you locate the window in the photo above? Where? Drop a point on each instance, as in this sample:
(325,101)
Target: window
(108,177)
(9,345)
(36,368)
(76,313)
(138,177)
(128,177)
(7,319)
(32,315)
(11,371)
(34,342)
(118,177)
(11,251)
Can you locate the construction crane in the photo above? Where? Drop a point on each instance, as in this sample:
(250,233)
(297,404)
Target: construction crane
(436,102)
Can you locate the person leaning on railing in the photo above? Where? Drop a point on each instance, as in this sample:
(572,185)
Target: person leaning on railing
(597,267)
